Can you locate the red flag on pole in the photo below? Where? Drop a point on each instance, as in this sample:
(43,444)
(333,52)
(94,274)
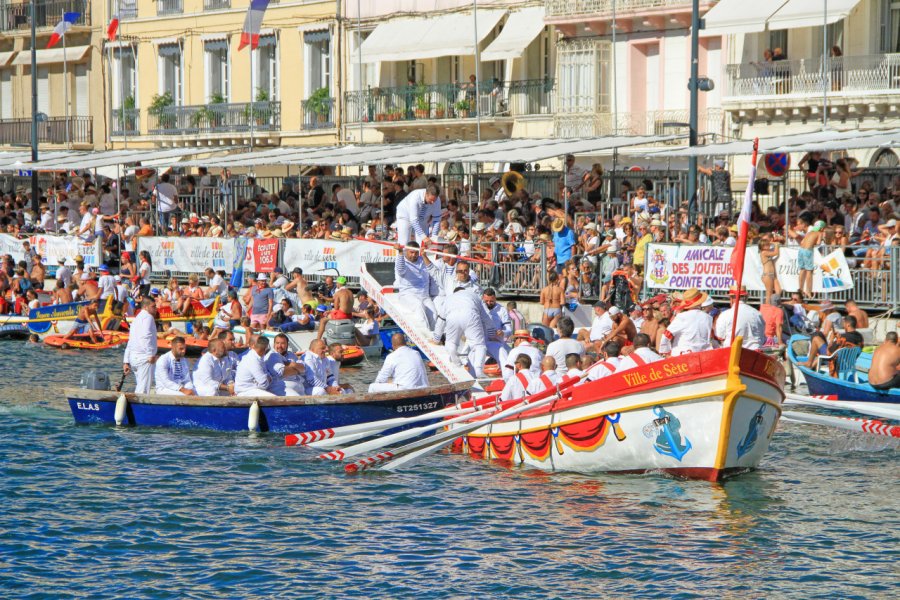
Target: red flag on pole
(743,226)
(112,30)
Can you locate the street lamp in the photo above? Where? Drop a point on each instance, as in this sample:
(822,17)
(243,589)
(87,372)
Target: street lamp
(35,191)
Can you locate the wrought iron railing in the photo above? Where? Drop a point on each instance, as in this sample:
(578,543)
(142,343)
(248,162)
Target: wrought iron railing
(216,4)
(169,7)
(589,8)
(124,9)
(125,121)
(450,101)
(51,131)
(809,76)
(317,114)
(659,122)
(215,118)
(17,15)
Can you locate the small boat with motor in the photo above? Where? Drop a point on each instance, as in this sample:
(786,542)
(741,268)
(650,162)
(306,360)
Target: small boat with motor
(82,341)
(844,376)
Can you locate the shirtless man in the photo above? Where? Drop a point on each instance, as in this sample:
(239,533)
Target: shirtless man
(650,326)
(805,262)
(623,330)
(884,374)
(298,285)
(87,321)
(862,319)
(552,300)
(61,295)
(343,306)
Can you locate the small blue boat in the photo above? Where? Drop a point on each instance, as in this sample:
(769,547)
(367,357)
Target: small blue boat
(852,384)
(14,331)
(278,414)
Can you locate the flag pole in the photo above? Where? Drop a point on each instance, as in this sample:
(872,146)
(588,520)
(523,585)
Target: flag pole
(66,88)
(740,249)
(252,48)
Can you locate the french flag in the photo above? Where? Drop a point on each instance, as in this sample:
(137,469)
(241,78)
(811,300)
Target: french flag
(112,30)
(252,24)
(62,27)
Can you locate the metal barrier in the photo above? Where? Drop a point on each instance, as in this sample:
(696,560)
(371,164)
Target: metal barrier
(516,274)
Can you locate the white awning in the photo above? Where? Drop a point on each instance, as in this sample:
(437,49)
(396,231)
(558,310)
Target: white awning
(214,37)
(111,158)
(811,13)
(520,30)
(739,16)
(420,38)
(5,57)
(815,140)
(53,56)
(849,140)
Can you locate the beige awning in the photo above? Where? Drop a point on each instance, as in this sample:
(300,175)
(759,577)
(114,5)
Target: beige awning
(5,57)
(54,55)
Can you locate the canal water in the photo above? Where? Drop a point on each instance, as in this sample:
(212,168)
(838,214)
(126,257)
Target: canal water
(99,512)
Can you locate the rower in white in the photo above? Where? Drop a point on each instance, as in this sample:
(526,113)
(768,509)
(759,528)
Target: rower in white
(251,377)
(466,316)
(549,378)
(403,369)
(211,372)
(415,216)
(517,385)
(413,284)
(316,363)
(173,373)
(523,345)
(690,329)
(565,345)
(609,364)
(750,324)
(284,369)
(501,327)
(640,355)
(140,353)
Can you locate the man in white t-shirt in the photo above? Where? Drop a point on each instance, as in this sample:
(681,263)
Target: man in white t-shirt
(166,196)
(106,283)
(565,345)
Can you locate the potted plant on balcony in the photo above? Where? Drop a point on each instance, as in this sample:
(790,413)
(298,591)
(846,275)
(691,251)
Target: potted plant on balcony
(440,111)
(261,109)
(422,103)
(127,116)
(319,104)
(159,105)
(463,107)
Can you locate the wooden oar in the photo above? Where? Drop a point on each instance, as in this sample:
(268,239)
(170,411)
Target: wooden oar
(859,425)
(480,261)
(394,459)
(874,411)
(308,437)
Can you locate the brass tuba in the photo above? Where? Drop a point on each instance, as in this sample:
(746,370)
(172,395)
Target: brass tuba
(512,182)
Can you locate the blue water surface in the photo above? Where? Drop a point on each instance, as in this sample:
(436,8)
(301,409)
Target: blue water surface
(100,512)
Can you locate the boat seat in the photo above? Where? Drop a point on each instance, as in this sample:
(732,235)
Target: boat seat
(844,361)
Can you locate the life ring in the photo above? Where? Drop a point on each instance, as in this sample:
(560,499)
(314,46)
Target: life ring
(492,370)
(353,355)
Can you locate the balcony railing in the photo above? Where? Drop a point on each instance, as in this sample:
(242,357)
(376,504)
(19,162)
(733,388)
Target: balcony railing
(51,131)
(126,121)
(657,122)
(216,4)
(215,118)
(451,101)
(169,7)
(593,8)
(125,9)
(17,15)
(807,77)
(317,115)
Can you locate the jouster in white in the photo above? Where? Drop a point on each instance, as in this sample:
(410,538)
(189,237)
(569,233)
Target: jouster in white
(517,385)
(211,376)
(547,380)
(173,374)
(638,358)
(251,377)
(500,329)
(140,352)
(415,216)
(750,326)
(403,369)
(523,348)
(316,376)
(466,316)
(413,284)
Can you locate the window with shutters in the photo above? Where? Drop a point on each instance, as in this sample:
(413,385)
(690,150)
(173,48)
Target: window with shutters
(6,95)
(170,71)
(43,90)
(265,73)
(317,47)
(124,77)
(82,91)
(583,68)
(217,70)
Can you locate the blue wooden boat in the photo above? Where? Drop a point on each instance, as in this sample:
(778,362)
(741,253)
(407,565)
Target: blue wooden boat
(14,331)
(276,414)
(852,384)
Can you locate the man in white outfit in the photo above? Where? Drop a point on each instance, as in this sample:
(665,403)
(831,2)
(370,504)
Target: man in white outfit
(609,364)
(140,353)
(466,316)
(415,216)
(211,372)
(501,327)
(413,284)
(548,378)
(173,373)
(449,274)
(641,354)
(691,329)
(517,385)
(251,377)
(316,374)
(750,324)
(403,369)
(564,346)
(523,345)
(285,369)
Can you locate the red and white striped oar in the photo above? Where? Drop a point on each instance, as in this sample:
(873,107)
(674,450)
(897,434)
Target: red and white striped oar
(873,409)
(860,425)
(480,261)
(320,435)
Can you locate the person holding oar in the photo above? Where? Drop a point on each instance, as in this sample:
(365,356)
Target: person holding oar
(419,214)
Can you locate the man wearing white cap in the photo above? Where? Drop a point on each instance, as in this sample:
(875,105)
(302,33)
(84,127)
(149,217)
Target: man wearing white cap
(416,216)
(261,299)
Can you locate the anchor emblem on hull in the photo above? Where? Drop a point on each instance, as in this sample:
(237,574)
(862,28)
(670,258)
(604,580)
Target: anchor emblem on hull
(746,444)
(667,429)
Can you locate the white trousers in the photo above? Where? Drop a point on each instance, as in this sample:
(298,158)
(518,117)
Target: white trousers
(440,320)
(421,308)
(165,392)
(374,388)
(255,392)
(143,373)
(405,232)
(470,326)
(316,391)
(211,389)
(499,351)
(294,388)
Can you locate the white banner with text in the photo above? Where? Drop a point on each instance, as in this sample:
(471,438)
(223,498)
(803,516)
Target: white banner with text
(51,248)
